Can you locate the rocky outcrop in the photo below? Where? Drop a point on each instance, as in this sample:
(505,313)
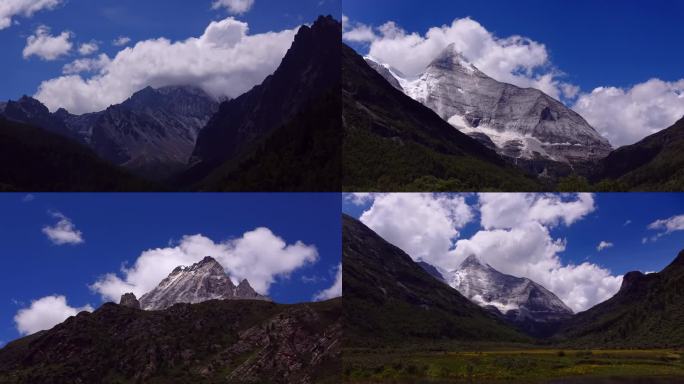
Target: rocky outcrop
(202,281)
(287,345)
(220,341)
(129,300)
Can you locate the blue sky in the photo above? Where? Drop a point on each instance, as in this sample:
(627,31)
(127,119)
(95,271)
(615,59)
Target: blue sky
(616,63)
(594,42)
(105,20)
(607,223)
(566,228)
(116,228)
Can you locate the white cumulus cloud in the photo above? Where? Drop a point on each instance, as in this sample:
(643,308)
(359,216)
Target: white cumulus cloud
(45,313)
(46,46)
(88,48)
(357,32)
(87,64)
(259,256)
(514,238)
(665,227)
(236,7)
(603,245)
(64,231)
(121,41)
(627,115)
(514,59)
(26,8)
(224,61)
(424,225)
(334,291)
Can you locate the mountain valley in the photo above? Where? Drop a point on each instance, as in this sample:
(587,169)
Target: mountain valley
(180,138)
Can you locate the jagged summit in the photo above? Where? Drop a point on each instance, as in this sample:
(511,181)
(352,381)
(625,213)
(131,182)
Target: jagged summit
(310,68)
(129,300)
(202,281)
(452,60)
(474,261)
(523,124)
(520,300)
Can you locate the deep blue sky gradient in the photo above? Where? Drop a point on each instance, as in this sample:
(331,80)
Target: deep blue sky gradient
(118,227)
(596,43)
(105,20)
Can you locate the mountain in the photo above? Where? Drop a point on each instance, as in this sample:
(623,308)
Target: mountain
(202,281)
(152,133)
(524,124)
(30,111)
(390,301)
(306,83)
(392,142)
(34,159)
(524,303)
(647,312)
(218,341)
(655,163)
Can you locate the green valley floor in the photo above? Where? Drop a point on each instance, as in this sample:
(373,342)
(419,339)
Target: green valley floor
(515,365)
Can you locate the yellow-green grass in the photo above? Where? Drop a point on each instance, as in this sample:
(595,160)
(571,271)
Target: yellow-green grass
(510,365)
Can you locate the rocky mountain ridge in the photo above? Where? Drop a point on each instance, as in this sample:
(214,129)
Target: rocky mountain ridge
(521,301)
(523,124)
(202,281)
(218,341)
(152,133)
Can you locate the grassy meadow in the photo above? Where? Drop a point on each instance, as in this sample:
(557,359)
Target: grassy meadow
(509,365)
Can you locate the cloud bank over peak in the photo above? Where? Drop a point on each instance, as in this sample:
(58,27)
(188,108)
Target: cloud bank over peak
(624,115)
(514,237)
(259,256)
(514,59)
(224,61)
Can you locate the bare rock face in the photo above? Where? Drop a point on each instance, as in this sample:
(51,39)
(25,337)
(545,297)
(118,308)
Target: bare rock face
(286,345)
(520,301)
(522,123)
(152,133)
(202,281)
(129,300)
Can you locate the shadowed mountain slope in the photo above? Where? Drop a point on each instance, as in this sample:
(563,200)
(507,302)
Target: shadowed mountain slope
(647,312)
(392,142)
(389,300)
(234,341)
(34,159)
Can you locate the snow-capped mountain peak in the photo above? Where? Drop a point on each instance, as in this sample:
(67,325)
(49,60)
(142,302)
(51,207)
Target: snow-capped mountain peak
(202,281)
(524,124)
(517,298)
(450,59)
